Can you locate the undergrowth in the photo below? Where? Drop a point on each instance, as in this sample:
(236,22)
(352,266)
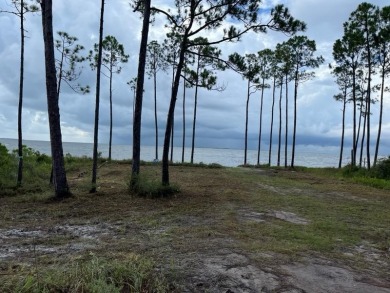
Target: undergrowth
(36,171)
(146,187)
(136,274)
(377,176)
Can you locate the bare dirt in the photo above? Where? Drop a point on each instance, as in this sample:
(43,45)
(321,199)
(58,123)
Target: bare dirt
(184,235)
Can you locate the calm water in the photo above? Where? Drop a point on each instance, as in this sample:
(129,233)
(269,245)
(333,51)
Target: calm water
(309,156)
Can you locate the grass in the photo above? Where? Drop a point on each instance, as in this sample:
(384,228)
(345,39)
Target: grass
(145,187)
(134,274)
(212,212)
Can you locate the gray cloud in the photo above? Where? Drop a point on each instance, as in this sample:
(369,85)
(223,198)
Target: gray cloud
(221,115)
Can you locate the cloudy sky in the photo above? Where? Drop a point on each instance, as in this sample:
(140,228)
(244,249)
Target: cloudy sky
(221,115)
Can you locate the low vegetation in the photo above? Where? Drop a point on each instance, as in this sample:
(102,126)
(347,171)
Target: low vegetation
(93,274)
(117,241)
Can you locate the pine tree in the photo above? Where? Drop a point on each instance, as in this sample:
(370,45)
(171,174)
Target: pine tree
(113,55)
(21,9)
(60,181)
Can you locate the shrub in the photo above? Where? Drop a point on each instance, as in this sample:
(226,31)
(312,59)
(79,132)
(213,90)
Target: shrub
(200,165)
(8,168)
(36,171)
(381,169)
(353,171)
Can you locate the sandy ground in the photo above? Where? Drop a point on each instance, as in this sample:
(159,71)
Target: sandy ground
(213,263)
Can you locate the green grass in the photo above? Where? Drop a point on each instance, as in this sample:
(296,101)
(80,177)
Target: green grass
(207,215)
(338,215)
(134,274)
(146,187)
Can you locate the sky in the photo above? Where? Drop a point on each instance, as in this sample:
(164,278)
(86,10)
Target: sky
(220,116)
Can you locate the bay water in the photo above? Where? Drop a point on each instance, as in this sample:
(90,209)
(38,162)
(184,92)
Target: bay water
(307,156)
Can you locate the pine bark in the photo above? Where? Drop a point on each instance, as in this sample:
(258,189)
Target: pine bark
(155,108)
(97,104)
(195,108)
(246,124)
(20,105)
(295,119)
(60,180)
(286,130)
(139,95)
(260,122)
(184,120)
(272,123)
(342,129)
(280,122)
(110,141)
(378,138)
(171,111)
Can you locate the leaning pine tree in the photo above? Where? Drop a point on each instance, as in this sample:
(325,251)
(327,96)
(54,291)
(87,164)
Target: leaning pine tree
(145,8)
(60,181)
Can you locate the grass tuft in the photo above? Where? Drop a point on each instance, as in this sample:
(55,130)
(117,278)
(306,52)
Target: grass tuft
(136,274)
(148,188)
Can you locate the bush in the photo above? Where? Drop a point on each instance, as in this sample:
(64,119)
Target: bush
(36,171)
(200,165)
(354,171)
(381,169)
(8,168)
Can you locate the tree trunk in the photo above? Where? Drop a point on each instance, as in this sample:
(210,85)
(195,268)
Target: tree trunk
(173,118)
(110,143)
(155,109)
(280,121)
(139,95)
(246,124)
(260,123)
(172,135)
(60,181)
(286,134)
(295,119)
(355,142)
(184,119)
(20,105)
(343,129)
(97,104)
(58,94)
(195,107)
(171,111)
(380,118)
(368,102)
(363,134)
(359,127)
(272,123)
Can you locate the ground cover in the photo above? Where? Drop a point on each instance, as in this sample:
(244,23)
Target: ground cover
(227,230)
